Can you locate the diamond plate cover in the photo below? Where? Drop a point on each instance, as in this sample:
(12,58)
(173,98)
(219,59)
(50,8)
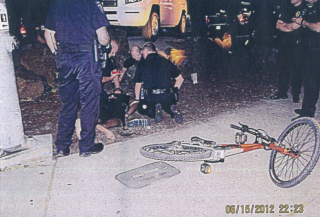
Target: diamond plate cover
(146,175)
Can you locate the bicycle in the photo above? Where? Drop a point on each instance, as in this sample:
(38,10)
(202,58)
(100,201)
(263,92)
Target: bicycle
(293,156)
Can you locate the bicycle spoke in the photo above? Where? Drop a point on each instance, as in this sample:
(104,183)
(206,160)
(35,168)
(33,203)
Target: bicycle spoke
(304,154)
(301,157)
(285,163)
(304,143)
(302,163)
(298,168)
(287,167)
(306,150)
(281,157)
(302,137)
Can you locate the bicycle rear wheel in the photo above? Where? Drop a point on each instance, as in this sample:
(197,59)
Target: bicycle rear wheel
(303,138)
(174,151)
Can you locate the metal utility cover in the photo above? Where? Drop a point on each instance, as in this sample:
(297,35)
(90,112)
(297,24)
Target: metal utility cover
(146,175)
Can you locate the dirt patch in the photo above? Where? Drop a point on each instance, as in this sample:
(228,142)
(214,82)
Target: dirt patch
(238,79)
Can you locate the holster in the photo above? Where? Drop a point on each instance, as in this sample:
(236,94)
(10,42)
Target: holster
(176,96)
(57,56)
(100,52)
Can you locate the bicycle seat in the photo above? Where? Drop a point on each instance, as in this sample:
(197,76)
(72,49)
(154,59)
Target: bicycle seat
(198,139)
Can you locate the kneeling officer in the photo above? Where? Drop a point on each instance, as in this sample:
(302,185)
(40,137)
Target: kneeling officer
(75,23)
(153,85)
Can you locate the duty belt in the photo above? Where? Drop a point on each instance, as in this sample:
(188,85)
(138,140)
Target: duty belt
(76,48)
(160,91)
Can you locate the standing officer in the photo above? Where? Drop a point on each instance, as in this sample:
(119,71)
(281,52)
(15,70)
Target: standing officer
(74,23)
(291,51)
(153,81)
(311,23)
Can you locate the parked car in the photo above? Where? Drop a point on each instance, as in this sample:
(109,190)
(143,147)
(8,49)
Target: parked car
(248,22)
(235,19)
(149,15)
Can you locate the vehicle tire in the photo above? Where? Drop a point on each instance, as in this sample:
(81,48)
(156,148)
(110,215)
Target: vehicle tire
(150,32)
(174,151)
(301,136)
(181,28)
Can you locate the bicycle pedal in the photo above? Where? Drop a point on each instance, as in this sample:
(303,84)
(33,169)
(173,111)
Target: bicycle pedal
(205,168)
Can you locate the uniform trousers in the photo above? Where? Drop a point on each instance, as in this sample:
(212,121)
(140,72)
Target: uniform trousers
(147,106)
(311,82)
(290,60)
(79,87)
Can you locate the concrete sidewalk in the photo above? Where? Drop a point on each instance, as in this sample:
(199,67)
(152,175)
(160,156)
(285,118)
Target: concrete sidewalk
(75,186)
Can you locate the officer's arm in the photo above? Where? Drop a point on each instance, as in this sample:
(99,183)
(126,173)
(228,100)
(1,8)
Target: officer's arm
(103,36)
(286,27)
(137,90)
(50,39)
(179,81)
(312,26)
(123,71)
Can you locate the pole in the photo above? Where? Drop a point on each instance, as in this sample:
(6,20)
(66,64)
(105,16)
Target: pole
(11,127)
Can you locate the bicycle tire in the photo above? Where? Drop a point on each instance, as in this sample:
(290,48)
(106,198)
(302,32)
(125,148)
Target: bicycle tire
(174,151)
(302,136)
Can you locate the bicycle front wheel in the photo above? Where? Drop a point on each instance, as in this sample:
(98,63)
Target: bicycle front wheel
(174,151)
(301,137)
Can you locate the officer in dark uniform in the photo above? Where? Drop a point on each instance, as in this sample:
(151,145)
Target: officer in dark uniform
(153,85)
(291,51)
(131,63)
(74,23)
(311,23)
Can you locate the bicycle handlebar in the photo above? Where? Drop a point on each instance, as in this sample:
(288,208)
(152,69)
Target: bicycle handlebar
(246,129)
(235,127)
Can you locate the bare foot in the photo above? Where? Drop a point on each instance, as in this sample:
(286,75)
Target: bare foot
(107,132)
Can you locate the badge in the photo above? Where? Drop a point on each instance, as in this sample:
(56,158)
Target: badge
(298,14)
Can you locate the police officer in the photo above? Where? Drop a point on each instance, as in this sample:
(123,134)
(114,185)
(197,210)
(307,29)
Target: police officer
(130,64)
(291,51)
(74,23)
(311,23)
(153,81)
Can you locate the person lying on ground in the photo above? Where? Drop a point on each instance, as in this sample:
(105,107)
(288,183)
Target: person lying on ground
(100,127)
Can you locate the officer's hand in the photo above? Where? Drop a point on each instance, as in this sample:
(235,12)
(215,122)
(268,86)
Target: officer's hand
(297,20)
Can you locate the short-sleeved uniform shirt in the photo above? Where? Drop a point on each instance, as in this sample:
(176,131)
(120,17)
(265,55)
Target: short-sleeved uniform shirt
(130,62)
(287,12)
(156,72)
(75,21)
(313,16)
